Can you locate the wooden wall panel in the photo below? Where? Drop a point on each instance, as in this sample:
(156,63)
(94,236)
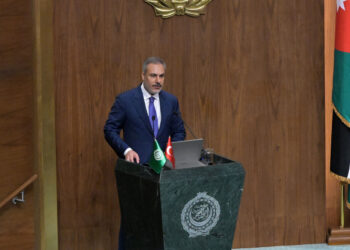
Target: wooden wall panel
(249,78)
(87,201)
(332,187)
(16,124)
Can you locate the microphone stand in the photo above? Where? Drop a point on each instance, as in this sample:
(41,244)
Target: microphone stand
(193,135)
(188,127)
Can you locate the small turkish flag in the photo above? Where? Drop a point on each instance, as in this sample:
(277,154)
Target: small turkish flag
(169,152)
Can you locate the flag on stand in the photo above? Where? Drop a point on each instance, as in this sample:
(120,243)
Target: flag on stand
(157,159)
(340,152)
(169,152)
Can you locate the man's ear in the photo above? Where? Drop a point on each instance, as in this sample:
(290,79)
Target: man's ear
(143,76)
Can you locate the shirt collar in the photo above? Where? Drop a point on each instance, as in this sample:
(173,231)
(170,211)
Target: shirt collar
(147,95)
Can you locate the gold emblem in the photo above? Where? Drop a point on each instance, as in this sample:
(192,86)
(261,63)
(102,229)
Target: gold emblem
(169,8)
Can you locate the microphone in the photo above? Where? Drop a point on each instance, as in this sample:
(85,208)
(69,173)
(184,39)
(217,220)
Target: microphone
(153,118)
(188,127)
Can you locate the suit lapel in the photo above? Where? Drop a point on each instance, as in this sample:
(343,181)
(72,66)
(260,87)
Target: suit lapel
(141,109)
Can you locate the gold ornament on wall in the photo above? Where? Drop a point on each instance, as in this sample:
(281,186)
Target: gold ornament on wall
(169,8)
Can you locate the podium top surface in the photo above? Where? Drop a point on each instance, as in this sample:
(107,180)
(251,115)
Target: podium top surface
(222,167)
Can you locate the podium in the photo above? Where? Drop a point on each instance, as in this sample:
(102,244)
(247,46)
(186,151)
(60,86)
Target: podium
(189,209)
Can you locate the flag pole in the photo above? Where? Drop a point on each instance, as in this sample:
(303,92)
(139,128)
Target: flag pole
(340,235)
(342,204)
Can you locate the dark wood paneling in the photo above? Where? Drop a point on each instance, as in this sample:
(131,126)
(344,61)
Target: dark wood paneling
(16,124)
(249,78)
(87,198)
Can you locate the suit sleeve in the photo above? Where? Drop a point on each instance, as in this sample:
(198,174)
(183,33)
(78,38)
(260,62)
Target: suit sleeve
(178,132)
(114,125)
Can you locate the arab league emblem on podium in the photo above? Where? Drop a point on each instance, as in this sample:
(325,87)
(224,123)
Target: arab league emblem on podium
(169,8)
(200,215)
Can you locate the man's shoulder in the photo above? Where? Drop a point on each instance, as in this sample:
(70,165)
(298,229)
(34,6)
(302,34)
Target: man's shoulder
(168,96)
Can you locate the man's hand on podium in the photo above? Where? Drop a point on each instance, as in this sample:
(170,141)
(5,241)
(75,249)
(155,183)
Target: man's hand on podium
(132,156)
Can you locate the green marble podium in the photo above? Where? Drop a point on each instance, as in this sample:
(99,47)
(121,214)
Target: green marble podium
(186,209)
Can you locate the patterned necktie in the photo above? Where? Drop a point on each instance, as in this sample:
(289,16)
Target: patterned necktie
(153,116)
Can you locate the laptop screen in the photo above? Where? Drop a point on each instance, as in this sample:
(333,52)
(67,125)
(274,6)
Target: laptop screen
(187,153)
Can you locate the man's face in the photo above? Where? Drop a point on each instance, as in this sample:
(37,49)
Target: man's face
(153,79)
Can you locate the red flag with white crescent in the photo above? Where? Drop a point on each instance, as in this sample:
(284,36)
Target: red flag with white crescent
(169,152)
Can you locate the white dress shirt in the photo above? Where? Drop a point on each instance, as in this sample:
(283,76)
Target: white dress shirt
(146,97)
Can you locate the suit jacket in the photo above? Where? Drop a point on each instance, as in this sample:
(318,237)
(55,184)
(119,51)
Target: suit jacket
(129,113)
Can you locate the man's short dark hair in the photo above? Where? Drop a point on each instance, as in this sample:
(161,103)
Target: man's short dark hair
(153,60)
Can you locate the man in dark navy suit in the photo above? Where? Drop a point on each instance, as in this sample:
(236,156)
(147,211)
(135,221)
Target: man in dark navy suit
(142,113)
